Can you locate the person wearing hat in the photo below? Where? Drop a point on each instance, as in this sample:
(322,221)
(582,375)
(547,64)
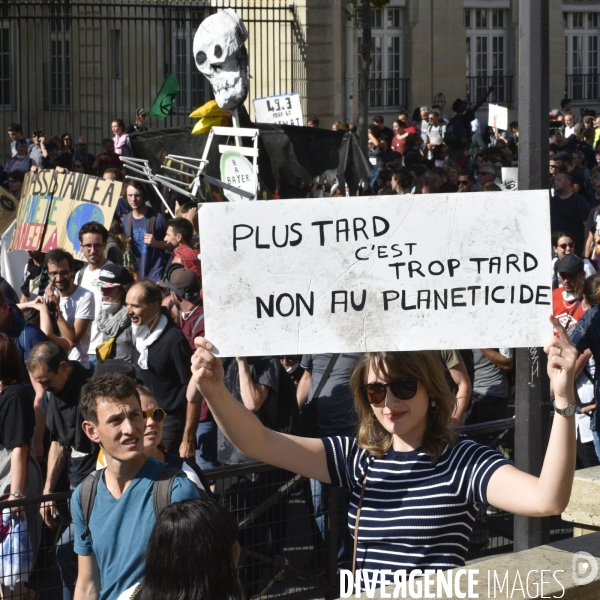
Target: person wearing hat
(184,296)
(567,302)
(112,321)
(140,117)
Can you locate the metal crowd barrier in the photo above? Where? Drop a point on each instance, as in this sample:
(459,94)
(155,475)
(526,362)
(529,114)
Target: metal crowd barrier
(284,553)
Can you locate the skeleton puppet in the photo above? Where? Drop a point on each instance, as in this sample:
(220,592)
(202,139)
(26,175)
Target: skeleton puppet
(222,58)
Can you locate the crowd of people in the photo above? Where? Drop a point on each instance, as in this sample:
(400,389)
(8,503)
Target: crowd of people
(66,152)
(105,375)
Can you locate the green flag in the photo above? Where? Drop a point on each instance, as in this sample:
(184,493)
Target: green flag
(166,98)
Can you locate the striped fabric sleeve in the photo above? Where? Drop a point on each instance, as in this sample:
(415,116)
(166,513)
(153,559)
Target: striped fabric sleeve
(341,454)
(483,463)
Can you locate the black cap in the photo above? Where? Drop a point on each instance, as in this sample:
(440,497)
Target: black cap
(570,265)
(563,156)
(184,283)
(112,275)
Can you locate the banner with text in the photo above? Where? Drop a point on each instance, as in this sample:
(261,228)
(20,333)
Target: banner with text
(54,206)
(285,109)
(377,273)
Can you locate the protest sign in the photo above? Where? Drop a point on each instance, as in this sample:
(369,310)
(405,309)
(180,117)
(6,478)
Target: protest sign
(280,110)
(237,170)
(510,178)
(498,116)
(54,207)
(377,273)
(9,206)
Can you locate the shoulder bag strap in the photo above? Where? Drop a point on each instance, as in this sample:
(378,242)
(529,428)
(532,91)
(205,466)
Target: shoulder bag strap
(325,377)
(355,549)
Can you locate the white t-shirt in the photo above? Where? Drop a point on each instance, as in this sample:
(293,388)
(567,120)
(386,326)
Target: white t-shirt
(585,390)
(86,282)
(79,305)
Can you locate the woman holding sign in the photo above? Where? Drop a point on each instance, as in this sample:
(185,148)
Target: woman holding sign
(415,483)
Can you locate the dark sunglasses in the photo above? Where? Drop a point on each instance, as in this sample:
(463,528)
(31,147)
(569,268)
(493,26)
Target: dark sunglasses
(462,182)
(404,388)
(156,414)
(565,246)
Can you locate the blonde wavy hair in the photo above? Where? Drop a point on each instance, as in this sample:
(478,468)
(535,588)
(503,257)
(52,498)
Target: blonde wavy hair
(426,366)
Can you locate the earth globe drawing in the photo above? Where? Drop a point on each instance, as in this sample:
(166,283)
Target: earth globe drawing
(82,214)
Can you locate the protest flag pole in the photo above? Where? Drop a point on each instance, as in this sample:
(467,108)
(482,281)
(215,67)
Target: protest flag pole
(532,426)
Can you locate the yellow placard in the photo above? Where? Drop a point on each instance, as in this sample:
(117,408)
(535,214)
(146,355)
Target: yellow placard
(56,205)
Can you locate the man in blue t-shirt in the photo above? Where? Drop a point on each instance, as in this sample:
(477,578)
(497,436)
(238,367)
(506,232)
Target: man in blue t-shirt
(145,231)
(112,546)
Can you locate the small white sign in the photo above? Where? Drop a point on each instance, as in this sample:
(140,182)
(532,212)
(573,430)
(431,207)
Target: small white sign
(377,273)
(498,117)
(237,170)
(510,178)
(285,109)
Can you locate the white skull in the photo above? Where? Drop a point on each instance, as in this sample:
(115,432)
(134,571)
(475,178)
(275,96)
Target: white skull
(222,58)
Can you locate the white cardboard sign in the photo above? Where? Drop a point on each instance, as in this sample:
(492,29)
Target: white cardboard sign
(377,273)
(285,109)
(510,178)
(498,117)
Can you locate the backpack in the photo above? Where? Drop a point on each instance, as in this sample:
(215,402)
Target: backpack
(456,135)
(128,225)
(161,492)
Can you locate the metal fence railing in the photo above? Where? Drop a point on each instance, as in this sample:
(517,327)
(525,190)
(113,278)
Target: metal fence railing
(388,93)
(75,65)
(493,531)
(288,534)
(582,87)
(282,551)
(478,86)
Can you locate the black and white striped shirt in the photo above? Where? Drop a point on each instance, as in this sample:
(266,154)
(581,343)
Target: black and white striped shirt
(414,514)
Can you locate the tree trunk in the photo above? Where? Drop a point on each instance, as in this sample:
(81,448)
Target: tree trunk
(365,68)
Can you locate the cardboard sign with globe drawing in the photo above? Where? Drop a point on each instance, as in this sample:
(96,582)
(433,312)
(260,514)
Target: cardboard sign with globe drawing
(54,206)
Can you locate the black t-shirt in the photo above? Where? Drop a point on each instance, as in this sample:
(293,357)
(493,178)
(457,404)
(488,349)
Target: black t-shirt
(386,134)
(169,369)
(579,179)
(569,214)
(265,371)
(64,424)
(17,417)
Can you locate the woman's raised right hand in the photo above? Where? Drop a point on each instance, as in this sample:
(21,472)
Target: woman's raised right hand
(207,369)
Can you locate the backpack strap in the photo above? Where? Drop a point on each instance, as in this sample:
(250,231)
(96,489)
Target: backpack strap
(163,484)
(325,377)
(128,225)
(161,490)
(89,488)
(79,275)
(150,224)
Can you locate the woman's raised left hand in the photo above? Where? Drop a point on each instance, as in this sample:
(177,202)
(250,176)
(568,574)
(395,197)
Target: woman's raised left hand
(562,356)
